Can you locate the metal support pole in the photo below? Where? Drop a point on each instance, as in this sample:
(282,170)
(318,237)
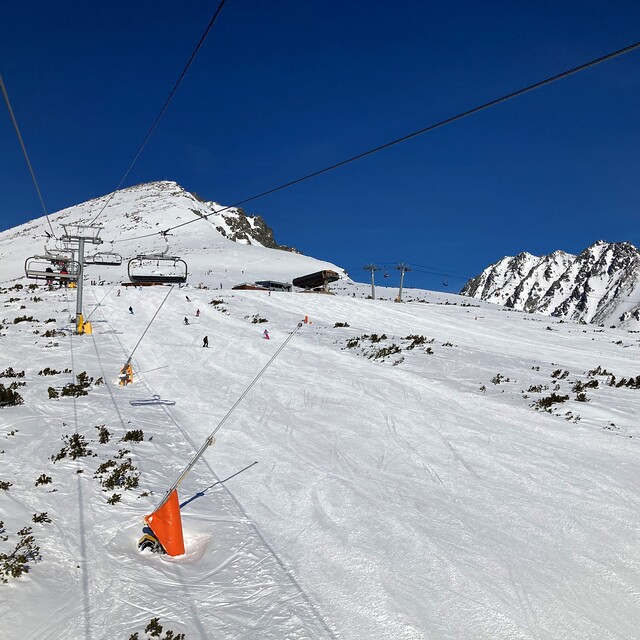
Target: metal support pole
(403,269)
(372,268)
(79,320)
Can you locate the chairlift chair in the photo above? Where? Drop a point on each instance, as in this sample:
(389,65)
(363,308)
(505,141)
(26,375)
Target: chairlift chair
(104,258)
(51,269)
(59,255)
(157,269)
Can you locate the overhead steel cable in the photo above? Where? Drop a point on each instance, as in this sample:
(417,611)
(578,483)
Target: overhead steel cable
(409,136)
(164,107)
(24,151)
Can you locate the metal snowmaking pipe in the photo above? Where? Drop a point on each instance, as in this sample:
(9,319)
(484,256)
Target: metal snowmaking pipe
(147,329)
(210,439)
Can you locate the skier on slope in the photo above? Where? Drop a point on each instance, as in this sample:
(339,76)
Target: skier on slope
(186,320)
(265,335)
(205,341)
(197,313)
(131,310)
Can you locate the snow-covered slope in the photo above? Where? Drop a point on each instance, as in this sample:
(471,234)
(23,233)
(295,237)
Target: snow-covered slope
(601,285)
(352,495)
(430,470)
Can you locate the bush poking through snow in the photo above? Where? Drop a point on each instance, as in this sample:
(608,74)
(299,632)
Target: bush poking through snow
(631,383)
(337,325)
(581,386)
(9,372)
(499,378)
(4,485)
(76,446)
(416,340)
(47,371)
(154,630)
(14,564)
(41,517)
(52,333)
(43,479)
(24,319)
(598,371)
(545,404)
(9,397)
(117,476)
(385,352)
(103,434)
(79,389)
(135,435)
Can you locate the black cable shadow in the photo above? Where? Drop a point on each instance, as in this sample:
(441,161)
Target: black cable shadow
(201,493)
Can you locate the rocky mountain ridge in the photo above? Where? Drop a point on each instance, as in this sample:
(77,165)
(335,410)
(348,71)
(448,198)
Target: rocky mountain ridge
(600,285)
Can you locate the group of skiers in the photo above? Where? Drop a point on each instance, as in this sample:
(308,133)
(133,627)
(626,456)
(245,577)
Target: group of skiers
(205,340)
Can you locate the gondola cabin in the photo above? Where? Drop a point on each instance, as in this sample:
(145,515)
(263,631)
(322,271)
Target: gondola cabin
(158,269)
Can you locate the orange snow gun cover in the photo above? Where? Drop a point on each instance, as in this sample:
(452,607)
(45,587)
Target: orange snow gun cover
(166,525)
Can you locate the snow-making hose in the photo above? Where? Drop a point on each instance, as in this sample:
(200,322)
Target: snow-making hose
(101,301)
(210,440)
(147,329)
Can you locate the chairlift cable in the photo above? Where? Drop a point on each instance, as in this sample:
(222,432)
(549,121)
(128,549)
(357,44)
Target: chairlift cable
(24,151)
(414,134)
(164,108)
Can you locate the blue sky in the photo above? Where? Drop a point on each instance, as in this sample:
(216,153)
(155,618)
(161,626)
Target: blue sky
(285,87)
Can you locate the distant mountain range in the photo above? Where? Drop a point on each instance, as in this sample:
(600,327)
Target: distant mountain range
(601,285)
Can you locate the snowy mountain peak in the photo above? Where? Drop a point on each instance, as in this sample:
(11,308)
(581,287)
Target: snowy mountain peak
(600,285)
(222,246)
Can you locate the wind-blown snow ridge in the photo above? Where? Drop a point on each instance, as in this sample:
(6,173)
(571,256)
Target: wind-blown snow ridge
(601,285)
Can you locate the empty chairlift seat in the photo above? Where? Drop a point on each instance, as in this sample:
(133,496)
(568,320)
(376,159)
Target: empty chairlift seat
(104,258)
(157,269)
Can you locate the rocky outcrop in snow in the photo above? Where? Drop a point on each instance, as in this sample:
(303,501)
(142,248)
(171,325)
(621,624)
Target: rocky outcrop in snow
(601,285)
